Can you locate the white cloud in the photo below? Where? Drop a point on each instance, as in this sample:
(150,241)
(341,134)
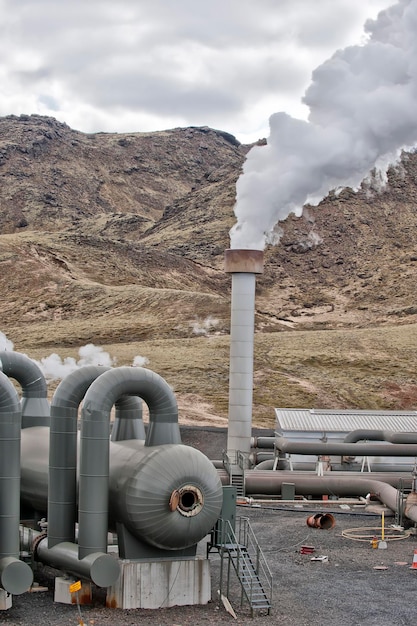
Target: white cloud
(135,65)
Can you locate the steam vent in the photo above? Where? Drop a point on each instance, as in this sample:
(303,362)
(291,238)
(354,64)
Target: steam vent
(243,265)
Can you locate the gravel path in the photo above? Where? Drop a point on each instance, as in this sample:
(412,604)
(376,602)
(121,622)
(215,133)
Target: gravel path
(346,590)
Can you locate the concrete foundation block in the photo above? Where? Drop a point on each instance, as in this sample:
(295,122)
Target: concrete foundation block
(5,600)
(64,596)
(162,583)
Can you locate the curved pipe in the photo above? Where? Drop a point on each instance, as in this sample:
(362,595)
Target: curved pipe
(62,491)
(128,423)
(155,493)
(16,576)
(379,468)
(345,449)
(63,437)
(35,406)
(270,483)
(380,435)
(94,444)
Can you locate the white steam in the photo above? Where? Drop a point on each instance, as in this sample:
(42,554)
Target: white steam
(205,327)
(54,367)
(363,113)
(5,344)
(140,361)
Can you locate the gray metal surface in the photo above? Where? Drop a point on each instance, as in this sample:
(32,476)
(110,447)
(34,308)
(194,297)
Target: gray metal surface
(10,421)
(342,484)
(16,577)
(243,266)
(342,421)
(141,482)
(346,449)
(128,422)
(102,569)
(63,453)
(94,443)
(63,449)
(13,573)
(35,406)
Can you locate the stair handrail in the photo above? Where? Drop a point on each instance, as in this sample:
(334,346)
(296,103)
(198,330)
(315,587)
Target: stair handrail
(247,537)
(243,460)
(246,549)
(227,464)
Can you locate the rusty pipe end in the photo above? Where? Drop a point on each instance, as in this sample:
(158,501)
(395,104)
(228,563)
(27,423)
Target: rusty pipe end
(325,521)
(243,261)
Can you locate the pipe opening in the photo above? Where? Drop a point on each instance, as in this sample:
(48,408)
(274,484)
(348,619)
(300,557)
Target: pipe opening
(187,500)
(321,520)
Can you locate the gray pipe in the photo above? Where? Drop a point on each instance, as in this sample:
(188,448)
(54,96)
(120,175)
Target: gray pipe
(263,442)
(62,495)
(141,482)
(128,422)
(35,406)
(16,577)
(145,481)
(344,449)
(380,435)
(270,483)
(102,569)
(94,444)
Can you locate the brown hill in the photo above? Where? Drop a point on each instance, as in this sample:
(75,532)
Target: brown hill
(117,239)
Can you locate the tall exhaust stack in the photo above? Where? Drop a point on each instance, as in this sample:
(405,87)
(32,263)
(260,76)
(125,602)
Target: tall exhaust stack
(243,265)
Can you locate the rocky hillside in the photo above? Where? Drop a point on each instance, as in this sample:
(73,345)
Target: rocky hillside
(109,237)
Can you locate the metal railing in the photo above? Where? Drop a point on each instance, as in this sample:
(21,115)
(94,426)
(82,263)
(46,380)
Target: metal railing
(245,554)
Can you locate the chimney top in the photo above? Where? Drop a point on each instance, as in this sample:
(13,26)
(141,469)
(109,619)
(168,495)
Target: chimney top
(248,261)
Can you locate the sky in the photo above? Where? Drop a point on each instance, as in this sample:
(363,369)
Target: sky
(362,117)
(146,65)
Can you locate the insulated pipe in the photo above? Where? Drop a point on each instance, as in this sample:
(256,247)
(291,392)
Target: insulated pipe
(102,569)
(380,435)
(62,493)
(168,496)
(270,483)
(35,406)
(345,449)
(128,423)
(16,576)
(263,442)
(243,265)
(94,444)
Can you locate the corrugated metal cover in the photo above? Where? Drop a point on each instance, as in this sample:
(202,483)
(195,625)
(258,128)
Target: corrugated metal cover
(324,420)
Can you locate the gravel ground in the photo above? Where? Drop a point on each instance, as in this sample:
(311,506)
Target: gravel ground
(347,590)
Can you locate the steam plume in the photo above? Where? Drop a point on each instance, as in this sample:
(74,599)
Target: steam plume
(53,367)
(363,113)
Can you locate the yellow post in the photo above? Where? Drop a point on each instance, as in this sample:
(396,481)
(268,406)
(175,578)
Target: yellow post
(383,526)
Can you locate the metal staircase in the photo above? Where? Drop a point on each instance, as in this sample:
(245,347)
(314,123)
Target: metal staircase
(244,554)
(237,480)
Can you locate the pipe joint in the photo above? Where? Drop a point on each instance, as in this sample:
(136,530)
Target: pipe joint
(187,500)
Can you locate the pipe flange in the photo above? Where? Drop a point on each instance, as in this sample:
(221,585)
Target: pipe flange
(187,500)
(35,543)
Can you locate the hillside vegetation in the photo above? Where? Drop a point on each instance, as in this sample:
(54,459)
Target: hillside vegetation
(118,240)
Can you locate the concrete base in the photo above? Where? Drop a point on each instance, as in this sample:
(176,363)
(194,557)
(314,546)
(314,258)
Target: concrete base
(5,600)
(64,596)
(162,583)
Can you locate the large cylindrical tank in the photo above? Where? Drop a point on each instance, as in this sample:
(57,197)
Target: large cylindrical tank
(168,496)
